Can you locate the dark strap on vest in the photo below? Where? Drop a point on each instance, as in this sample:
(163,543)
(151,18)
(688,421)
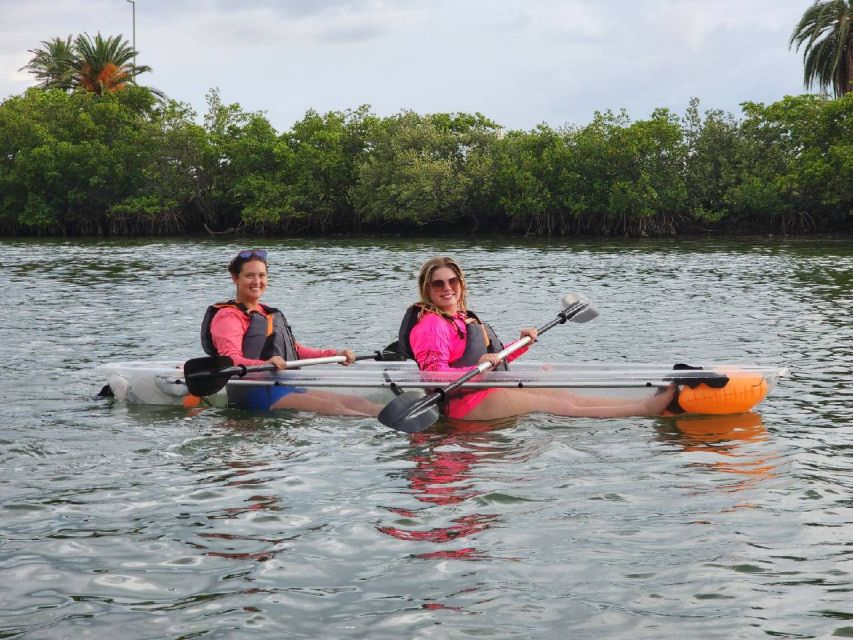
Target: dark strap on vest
(480,340)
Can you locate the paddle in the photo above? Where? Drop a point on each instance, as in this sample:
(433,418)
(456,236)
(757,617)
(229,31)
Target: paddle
(206,376)
(412,412)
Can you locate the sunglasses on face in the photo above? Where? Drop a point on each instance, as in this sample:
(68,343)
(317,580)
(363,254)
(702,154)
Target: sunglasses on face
(438,285)
(252,253)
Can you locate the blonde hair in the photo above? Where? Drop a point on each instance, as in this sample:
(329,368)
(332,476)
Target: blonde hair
(425,278)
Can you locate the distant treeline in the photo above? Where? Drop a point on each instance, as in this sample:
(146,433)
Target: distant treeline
(130,163)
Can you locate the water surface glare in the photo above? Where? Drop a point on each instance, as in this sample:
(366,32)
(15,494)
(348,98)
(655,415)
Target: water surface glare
(147,522)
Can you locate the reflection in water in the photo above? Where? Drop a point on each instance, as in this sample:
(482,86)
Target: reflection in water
(221,477)
(260,556)
(245,474)
(728,440)
(443,475)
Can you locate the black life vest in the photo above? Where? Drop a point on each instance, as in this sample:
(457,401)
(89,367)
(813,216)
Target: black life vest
(267,336)
(480,339)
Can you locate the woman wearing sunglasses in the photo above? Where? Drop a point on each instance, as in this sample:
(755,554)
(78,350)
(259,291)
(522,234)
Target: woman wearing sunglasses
(252,333)
(443,335)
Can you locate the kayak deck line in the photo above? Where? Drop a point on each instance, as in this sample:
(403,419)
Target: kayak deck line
(713,388)
(497,384)
(529,375)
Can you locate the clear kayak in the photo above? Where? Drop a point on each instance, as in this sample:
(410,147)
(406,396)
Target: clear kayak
(702,389)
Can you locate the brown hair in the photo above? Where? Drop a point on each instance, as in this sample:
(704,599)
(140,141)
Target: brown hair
(425,277)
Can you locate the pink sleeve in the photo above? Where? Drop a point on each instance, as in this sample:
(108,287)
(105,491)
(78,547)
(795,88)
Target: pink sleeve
(310,352)
(227,330)
(431,344)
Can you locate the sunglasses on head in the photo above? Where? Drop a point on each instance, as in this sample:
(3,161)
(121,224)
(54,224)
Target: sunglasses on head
(438,285)
(252,253)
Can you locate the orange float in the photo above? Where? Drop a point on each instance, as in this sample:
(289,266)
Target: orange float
(190,401)
(741,393)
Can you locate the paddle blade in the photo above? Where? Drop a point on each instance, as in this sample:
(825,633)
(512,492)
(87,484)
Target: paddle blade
(410,412)
(579,308)
(392,353)
(206,376)
(392,356)
(585,315)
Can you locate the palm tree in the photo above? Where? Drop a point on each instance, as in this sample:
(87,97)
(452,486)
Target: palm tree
(54,65)
(101,65)
(104,65)
(826,30)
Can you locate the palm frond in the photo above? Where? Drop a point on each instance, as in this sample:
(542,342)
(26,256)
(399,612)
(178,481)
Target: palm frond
(826,38)
(105,63)
(53,65)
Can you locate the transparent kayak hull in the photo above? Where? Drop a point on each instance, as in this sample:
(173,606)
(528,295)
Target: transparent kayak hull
(702,389)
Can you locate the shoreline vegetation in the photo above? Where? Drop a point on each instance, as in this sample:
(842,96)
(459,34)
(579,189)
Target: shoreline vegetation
(132,162)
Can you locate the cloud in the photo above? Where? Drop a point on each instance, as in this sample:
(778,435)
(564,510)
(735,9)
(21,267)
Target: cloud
(266,24)
(519,63)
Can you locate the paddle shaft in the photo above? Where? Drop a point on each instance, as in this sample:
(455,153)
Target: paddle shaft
(241,370)
(307,362)
(206,376)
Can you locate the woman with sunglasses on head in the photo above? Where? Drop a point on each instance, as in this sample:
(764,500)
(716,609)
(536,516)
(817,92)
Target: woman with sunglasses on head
(443,335)
(252,333)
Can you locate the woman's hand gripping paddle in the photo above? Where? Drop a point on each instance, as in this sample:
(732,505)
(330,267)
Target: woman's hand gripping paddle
(206,376)
(412,412)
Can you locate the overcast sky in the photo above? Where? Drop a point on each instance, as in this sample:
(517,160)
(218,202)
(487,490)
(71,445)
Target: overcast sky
(520,62)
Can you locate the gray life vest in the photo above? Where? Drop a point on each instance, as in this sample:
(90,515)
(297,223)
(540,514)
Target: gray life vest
(480,339)
(267,336)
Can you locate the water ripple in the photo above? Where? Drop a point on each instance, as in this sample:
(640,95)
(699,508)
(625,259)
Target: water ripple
(146,522)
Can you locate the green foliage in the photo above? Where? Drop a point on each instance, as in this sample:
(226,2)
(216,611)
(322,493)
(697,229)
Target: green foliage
(67,156)
(323,154)
(162,199)
(414,171)
(612,177)
(527,170)
(800,149)
(629,176)
(711,165)
(131,163)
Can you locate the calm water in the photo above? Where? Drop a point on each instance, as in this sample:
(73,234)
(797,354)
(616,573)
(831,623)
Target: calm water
(133,522)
